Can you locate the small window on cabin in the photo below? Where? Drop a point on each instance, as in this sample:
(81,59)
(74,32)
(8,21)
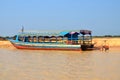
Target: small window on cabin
(34,39)
(14,37)
(21,38)
(40,39)
(60,39)
(46,39)
(65,38)
(53,39)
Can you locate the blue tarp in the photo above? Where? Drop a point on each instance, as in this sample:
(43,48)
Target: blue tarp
(63,33)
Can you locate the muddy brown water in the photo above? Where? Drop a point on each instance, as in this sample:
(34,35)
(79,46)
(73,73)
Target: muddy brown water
(59,65)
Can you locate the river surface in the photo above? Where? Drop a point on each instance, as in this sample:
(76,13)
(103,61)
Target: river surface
(59,65)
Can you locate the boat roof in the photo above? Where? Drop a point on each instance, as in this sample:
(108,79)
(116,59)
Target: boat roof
(61,33)
(37,34)
(84,32)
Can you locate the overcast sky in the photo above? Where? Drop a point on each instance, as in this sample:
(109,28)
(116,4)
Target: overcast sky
(100,16)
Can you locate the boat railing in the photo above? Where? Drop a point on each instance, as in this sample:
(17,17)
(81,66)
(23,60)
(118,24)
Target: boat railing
(58,40)
(70,38)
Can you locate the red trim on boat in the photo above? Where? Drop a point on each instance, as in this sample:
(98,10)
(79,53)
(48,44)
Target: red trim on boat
(35,48)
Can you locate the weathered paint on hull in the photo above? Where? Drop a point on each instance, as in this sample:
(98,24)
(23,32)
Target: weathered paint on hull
(47,48)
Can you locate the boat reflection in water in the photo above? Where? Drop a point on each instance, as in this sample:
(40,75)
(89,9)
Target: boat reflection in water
(66,40)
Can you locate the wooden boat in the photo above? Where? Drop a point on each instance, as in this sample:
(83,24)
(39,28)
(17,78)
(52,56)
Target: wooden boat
(66,40)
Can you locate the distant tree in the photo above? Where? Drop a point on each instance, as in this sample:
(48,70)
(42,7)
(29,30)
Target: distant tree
(2,38)
(108,36)
(116,36)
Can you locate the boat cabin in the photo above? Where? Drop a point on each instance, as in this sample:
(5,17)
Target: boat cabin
(64,37)
(86,42)
(65,40)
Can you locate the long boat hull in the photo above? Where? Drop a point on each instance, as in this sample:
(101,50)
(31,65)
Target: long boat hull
(45,46)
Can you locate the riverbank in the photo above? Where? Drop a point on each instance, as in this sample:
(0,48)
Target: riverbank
(112,42)
(6,44)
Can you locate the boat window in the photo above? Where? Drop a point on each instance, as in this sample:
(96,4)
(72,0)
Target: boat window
(60,39)
(86,37)
(53,39)
(30,39)
(40,39)
(14,37)
(21,38)
(46,39)
(26,39)
(35,39)
(65,39)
